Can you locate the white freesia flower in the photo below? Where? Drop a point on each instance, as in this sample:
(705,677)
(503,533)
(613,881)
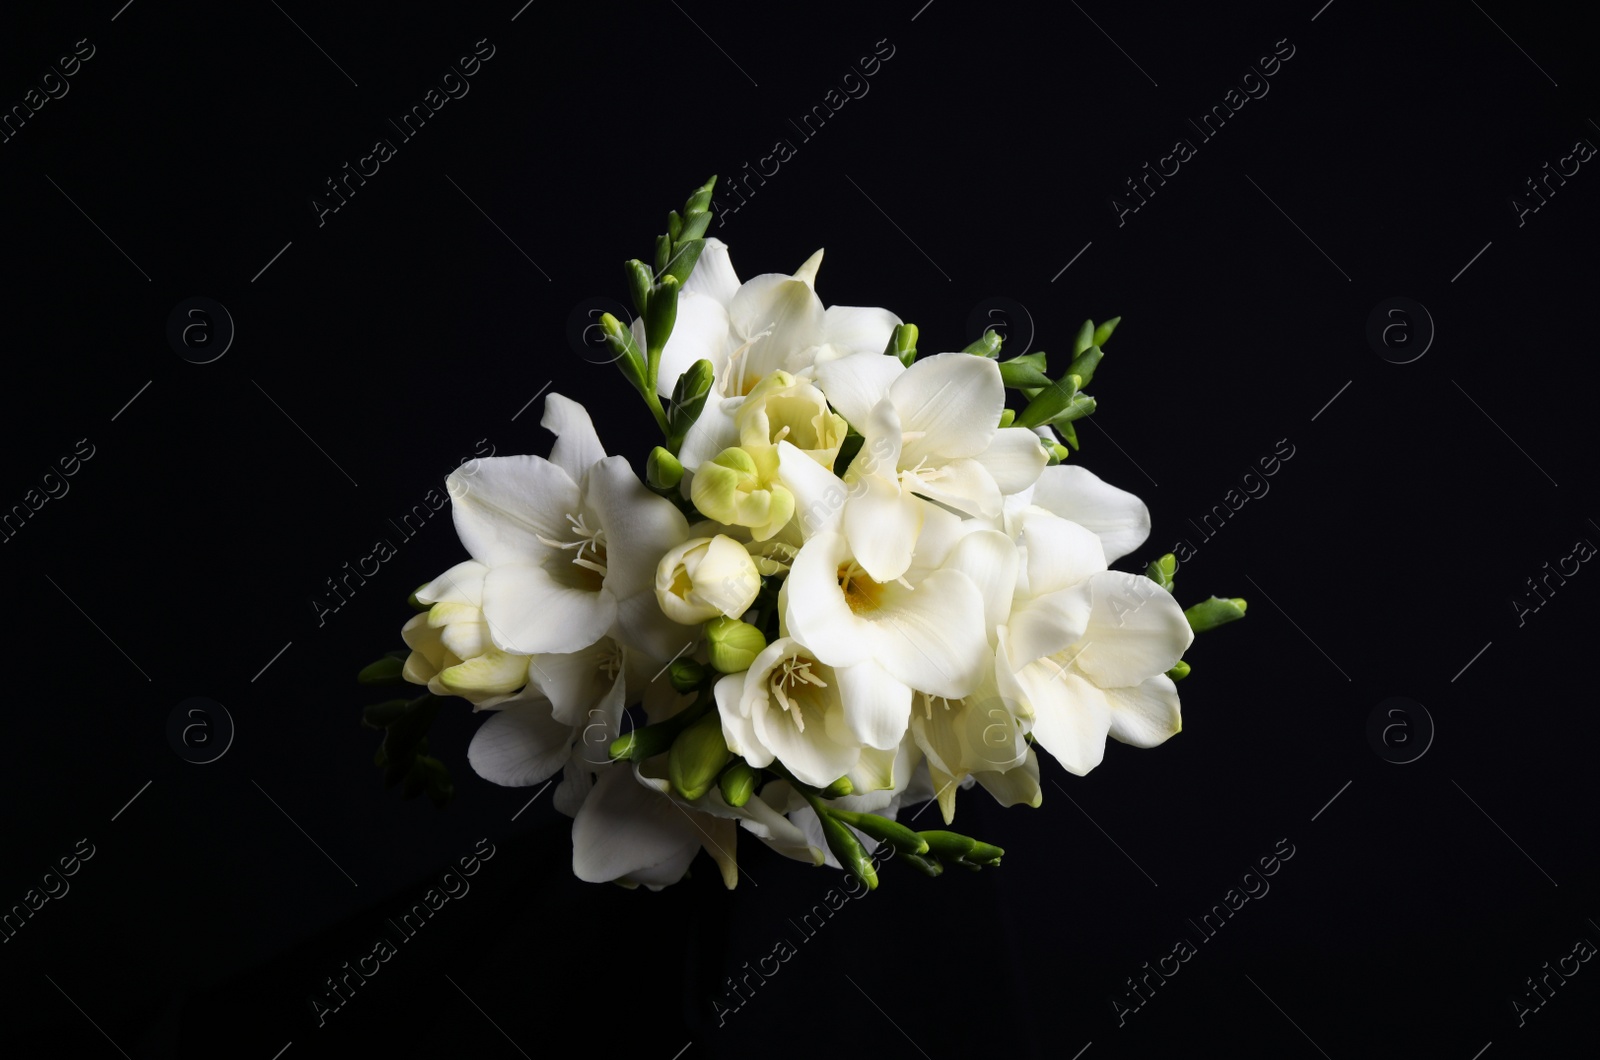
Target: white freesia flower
(1090,660)
(571,543)
(930,431)
(451,650)
(705,577)
(789,706)
(1117,517)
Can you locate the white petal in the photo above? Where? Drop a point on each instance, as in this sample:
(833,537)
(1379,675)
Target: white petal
(714,431)
(577,446)
(572,681)
(1061,553)
(520,745)
(990,559)
(876,706)
(627,829)
(953,401)
(1146,714)
(854,385)
(851,329)
(492,673)
(815,612)
(1048,624)
(1136,630)
(1015,459)
(931,637)
(502,504)
(1073,492)
(963,484)
(461,584)
(639,526)
(813,756)
(779,318)
(699,333)
(1018,786)
(1071,717)
(529,612)
(881,524)
(713,273)
(819,496)
(737,731)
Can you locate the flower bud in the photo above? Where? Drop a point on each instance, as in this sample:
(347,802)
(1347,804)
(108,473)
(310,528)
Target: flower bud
(662,470)
(848,849)
(685,675)
(738,783)
(697,756)
(705,577)
(733,488)
(733,645)
(1213,613)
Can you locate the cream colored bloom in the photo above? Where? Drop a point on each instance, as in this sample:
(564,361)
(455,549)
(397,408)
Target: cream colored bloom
(706,577)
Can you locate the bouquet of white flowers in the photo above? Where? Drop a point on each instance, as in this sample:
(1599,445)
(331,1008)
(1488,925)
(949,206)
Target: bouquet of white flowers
(851,580)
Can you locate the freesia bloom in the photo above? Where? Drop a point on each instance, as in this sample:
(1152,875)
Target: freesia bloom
(705,577)
(570,543)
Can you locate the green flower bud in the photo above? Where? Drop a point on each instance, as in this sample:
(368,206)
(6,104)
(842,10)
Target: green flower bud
(1161,571)
(639,281)
(1052,400)
(662,470)
(950,845)
(734,488)
(686,675)
(697,756)
(1084,364)
(738,783)
(1006,416)
(1213,613)
(925,865)
(839,789)
(903,343)
(903,839)
(1103,333)
(1084,339)
(987,345)
(733,645)
(1180,671)
(848,849)
(382,672)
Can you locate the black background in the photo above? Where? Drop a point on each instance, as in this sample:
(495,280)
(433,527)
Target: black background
(409,331)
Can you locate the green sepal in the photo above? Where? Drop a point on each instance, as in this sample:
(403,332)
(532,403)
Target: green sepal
(1084,339)
(694,226)
(386,671)
(630,361)
(1020,375)
(1084,364)
(987,345)
(639,281)
(1214,612)
(1161,571)
(689,396)
(1103,333)
(1050,402)
(662,471)
(683,259)
(700,198)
